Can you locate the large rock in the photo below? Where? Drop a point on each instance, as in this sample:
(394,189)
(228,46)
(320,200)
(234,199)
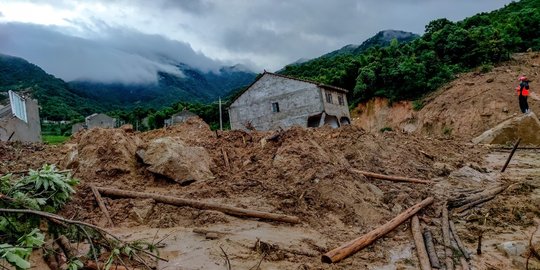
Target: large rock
(173,159)
(101,151)
(526,127)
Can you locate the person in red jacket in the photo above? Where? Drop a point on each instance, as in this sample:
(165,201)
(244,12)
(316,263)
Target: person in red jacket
(523,92)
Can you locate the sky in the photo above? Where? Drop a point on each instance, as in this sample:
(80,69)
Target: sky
(128,41)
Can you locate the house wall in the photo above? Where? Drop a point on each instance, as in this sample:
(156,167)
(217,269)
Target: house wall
(24,132)
(297,101)
(334,109)
(100,120)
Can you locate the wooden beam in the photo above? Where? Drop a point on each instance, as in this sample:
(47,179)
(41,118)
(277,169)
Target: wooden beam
(227,209)
(359,243)
(392,177)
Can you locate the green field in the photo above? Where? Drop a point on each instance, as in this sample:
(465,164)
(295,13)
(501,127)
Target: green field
(54,139)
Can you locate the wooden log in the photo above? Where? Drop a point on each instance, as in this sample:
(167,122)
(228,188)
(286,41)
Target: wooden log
(66,246)
(460,245)
(446,239)
(470,205)
(423,256)
(392,177)
(101,205)
(479,247)
(226,158)
(227,209)
(430,247)
(359,243)
(478,197)
(511,154)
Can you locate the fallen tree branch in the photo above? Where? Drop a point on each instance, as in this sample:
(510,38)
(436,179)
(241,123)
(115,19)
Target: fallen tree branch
(359,243)
(477,198)
(446,239)
(460,245)
(392,177)
(511,154)
(430,247)
(101,205)
(419,243)
(76,222)
(227,209)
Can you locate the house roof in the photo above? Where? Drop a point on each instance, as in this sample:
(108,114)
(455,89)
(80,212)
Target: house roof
(184,113)
(321,85)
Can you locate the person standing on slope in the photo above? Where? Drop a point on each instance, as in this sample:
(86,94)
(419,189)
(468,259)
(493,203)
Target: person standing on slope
(523,93)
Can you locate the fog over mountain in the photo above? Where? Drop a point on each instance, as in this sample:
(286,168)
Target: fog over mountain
(128,41)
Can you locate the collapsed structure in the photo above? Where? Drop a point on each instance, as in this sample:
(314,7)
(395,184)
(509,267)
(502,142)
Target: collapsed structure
(19,121)
(275,101)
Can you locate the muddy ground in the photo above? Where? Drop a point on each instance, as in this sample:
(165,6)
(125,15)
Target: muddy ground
(301,172)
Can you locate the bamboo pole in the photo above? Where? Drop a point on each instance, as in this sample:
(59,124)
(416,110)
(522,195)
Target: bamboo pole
(419,242)
(227,209)
(359,243)
(433,259)
(511,154)
(446,239)
(458,241)
(101,205)
(392,177)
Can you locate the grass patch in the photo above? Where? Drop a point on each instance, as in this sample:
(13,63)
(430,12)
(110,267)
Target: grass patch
(54,139)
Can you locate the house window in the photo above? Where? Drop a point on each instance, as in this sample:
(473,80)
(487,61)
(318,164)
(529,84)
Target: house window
(275,107)
(341,100)
(329,97)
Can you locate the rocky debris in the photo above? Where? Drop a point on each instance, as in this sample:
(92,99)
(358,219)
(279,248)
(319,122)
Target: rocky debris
(172,158)
(141,210)
(103,151)
(526,127)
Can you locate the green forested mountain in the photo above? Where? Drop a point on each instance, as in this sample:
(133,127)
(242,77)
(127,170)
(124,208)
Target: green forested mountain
(409,70)
(381,39)
(56,98)
(67,101)
(194,86)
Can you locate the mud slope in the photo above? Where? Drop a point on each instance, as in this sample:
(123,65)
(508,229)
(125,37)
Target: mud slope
(465,107)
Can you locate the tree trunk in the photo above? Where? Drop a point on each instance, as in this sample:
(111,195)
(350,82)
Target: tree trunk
(227,209)
(359,243)
(446,239)
(392,177)
(419,242)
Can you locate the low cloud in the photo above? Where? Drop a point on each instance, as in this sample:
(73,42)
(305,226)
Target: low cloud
(124,56)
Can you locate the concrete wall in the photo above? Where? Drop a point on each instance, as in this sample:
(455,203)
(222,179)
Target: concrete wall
(100,120)
(24,132)
(334,108)
(297,101)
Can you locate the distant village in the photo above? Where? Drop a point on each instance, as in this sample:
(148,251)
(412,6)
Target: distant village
(272,102)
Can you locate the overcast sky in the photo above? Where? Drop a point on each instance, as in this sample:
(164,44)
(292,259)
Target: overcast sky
(129,40)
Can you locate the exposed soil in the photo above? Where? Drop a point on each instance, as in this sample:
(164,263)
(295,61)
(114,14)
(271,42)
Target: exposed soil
(306,173)
(471,104)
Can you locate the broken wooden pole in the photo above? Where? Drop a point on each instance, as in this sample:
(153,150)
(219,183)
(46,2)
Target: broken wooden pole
(430,247)
(392,177)
(423,257)
(101,205)
(460,245)
(446,239)
(225,158)
(359,243)
(227,209)
(511,154)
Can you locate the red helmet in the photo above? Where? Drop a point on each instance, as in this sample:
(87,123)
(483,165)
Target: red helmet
(522,78)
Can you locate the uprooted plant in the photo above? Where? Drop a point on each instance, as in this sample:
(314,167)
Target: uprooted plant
(27,222)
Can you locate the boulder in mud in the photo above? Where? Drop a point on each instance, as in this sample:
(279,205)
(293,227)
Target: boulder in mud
(526,127)
(104,152)
(173,159)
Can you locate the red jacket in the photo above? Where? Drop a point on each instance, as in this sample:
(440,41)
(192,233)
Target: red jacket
(524,91)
